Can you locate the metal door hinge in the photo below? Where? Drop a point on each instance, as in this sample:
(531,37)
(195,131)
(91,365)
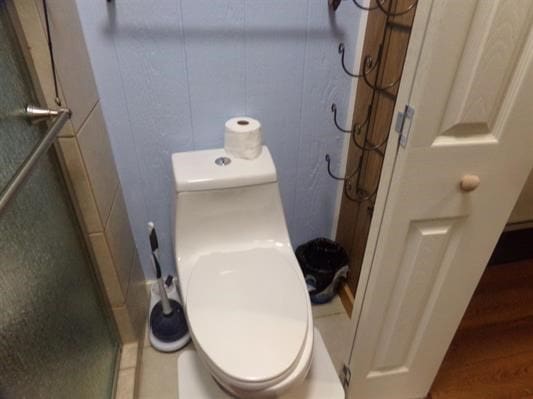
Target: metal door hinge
(346,376)
(403,123)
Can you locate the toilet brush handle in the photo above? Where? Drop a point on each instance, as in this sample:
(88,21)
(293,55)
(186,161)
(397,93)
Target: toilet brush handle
(165,303)
(154,246)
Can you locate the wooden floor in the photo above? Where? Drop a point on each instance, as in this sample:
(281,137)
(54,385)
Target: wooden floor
(491,356)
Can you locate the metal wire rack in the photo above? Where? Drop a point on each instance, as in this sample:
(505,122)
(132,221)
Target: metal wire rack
(370,73)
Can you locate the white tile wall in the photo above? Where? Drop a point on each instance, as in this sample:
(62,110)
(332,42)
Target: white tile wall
(98,159)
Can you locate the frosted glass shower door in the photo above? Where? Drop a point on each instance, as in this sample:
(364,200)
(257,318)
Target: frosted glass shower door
(56,339)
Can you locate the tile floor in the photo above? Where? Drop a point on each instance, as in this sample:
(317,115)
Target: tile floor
(159,375)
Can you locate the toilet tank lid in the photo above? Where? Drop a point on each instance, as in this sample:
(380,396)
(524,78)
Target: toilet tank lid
(197,170)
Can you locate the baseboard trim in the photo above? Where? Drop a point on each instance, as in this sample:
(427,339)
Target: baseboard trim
(513,246)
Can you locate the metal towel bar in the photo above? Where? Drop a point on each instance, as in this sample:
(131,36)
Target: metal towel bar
(29,163)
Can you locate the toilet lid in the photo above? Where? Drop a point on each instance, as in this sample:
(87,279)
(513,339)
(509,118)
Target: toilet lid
(248,312)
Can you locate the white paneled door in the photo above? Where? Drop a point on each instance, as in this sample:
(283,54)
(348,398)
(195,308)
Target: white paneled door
(446,196)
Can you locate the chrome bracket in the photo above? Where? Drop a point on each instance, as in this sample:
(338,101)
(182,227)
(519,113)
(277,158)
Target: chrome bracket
(403,123)
(37,114)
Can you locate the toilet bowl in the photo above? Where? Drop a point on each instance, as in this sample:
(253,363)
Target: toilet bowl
(245,297)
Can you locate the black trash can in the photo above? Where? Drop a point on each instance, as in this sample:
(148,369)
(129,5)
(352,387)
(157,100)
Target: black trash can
(324,264)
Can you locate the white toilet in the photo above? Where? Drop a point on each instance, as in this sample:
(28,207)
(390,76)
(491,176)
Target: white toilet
(245,297)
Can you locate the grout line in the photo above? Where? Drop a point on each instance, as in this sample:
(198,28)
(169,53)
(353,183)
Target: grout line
(113,204)
(137,364)
(323,316)
(245,61)
(140,174)
(116,265)
(89,183)
(86,118)
(130,274)
(302,94)
(186,63)
(98,259)
(103,219)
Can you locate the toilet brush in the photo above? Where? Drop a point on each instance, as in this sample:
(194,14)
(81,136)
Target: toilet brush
(154,245)
(168,326)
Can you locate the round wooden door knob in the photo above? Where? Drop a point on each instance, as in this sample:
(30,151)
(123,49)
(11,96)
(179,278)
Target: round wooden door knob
(470,182)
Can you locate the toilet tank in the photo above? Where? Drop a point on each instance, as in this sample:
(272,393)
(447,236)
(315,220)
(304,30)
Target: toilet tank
(223,204)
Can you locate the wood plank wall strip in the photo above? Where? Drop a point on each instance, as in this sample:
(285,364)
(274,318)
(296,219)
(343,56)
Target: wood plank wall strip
(347,298)
(355,218)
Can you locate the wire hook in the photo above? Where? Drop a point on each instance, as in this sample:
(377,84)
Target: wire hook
(357,127)
(359,198)
(353,75)
(384,89)
(369,8)
(371,147)
(379,4)
(328,160)
(334,110)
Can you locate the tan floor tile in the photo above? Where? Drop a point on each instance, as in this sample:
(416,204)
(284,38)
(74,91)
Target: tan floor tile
(123,321)
(159,375)
(126,384)
(147,336)
(128,357)
(329,309)
(336,331)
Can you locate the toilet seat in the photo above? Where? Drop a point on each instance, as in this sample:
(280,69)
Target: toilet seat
(248,314)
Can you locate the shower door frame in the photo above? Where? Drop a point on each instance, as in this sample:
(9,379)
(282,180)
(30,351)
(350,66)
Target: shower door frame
(31,38)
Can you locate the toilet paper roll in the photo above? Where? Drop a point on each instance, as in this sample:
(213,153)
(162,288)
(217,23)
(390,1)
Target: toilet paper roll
(243,138)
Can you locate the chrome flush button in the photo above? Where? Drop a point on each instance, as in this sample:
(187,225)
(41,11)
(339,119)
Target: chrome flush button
(223,161)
